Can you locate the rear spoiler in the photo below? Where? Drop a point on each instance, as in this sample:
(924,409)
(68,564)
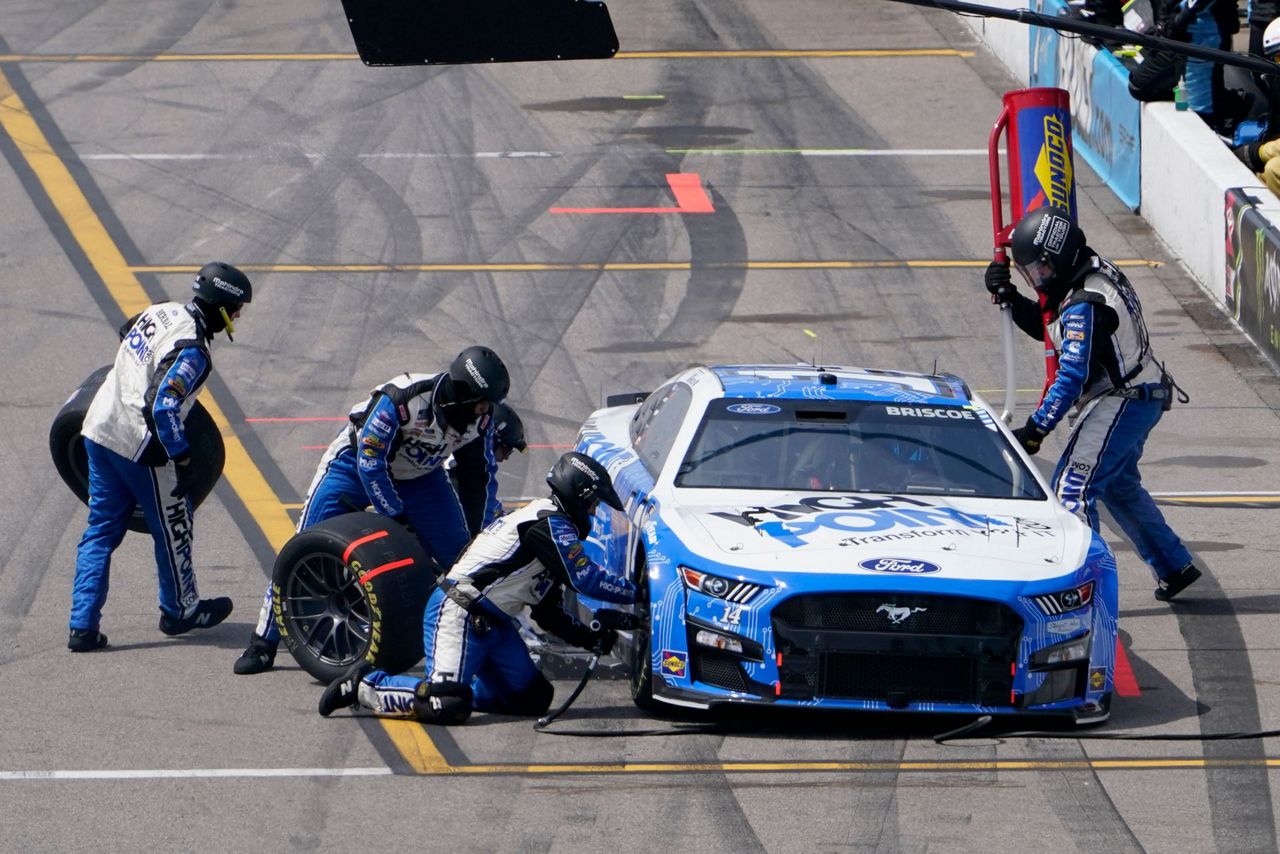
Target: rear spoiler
(626,399)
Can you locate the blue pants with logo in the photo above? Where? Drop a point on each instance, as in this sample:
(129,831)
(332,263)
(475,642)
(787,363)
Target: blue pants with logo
(116,484)
(1101,464)
(488,654)
(429,501)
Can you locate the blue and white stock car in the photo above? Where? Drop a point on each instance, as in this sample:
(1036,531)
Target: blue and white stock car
(847,539)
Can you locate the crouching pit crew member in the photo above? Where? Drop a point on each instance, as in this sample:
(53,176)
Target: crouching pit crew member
(1106,374)
(475,657)
(391,456)
(138,454)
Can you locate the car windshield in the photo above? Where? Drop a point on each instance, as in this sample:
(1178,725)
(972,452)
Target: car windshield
(854,446)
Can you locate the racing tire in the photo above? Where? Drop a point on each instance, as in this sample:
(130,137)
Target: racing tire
(66,445)
(641,676)
(349,588)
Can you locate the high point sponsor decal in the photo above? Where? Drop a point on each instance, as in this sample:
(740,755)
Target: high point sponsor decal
(139,338)
(1053,166)
(930,412)
(754,409)
(899,565)
(875,518)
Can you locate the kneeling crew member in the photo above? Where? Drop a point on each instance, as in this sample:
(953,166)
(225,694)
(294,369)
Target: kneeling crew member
(475,658)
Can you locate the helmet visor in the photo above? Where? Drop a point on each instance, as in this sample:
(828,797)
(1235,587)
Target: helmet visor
(1038,273)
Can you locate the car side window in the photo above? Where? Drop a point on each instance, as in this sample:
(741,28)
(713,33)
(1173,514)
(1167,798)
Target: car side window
(654,429)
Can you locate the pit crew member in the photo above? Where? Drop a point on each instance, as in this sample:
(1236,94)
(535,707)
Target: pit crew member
(479,496)
(475,657)
(1106,374)
(139,454)
(391,456)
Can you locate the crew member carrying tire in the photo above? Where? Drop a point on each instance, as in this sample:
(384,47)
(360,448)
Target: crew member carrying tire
(138,454)
(475,657)
(391,456)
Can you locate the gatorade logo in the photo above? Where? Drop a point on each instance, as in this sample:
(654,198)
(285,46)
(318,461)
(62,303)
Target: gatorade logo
(1053,166)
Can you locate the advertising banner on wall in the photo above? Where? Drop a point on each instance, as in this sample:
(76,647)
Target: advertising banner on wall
(1107,118)
(1253,272)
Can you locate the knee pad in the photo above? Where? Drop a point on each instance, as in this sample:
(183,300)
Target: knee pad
(442,703)
(533,700)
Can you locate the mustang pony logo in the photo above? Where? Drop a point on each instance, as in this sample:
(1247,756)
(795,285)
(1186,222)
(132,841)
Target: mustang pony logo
(898,613)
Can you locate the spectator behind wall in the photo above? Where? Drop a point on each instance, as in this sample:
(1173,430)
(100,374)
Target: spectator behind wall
(1207,23)
(1260,155)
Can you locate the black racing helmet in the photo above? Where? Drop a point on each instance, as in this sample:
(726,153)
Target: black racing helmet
(508,429)
(1047,246)
(221,290)
(478,374)
(222,286)
(577,480)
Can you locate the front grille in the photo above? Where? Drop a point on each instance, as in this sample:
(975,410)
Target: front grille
(896,648)
(904,678)
(718,669)
(909,614)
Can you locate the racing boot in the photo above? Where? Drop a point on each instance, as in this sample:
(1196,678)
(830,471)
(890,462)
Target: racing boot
(1169,587)
(86,640)
(345,690)
(208,613)
(258,658)
(443,703)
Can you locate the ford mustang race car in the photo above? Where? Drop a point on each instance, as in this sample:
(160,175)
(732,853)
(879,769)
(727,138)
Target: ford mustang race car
(847,538)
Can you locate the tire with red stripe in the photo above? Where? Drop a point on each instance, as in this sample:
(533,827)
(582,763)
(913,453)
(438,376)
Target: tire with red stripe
(70,458)
(352,587)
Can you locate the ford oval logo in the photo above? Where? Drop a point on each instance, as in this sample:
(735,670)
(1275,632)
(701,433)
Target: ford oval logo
(901,565)
(754,408)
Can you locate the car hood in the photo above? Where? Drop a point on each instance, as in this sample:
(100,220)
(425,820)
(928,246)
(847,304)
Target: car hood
(949,537)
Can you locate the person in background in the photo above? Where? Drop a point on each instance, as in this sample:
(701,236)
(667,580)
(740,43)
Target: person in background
(479,495)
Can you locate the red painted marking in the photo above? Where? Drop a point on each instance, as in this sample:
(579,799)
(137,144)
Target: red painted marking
(355,544)
(685,186)
(291,420)
(1126,683)
(386,567)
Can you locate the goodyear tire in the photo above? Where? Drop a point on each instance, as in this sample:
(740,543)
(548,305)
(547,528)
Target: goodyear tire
(72,462)
(641,676)
(352,587)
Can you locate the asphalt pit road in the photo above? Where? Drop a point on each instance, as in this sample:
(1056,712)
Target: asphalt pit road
(1211,462)
(1125,546)
(597,105)
(643,347)
(795,317)
(680,136)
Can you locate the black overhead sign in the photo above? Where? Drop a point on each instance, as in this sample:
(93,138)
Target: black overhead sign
(444,32)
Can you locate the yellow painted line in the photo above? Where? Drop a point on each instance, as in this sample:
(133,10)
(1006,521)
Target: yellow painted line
(352,57)
(789,54)
(434,763)
(416,746)
(603,267)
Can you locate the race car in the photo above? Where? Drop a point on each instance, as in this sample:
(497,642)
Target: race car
(847,538)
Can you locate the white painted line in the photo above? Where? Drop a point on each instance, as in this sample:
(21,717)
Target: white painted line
(166,774)
(837,152)
(269,155)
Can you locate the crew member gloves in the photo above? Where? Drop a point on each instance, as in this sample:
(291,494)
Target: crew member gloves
(1029,436)
(998,283)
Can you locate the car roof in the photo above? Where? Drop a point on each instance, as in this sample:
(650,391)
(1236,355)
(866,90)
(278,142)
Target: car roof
(829,382)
